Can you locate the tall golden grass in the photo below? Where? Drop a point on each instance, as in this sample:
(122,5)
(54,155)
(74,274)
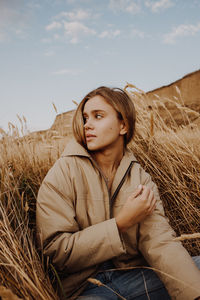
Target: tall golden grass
(167,149)
(170,152)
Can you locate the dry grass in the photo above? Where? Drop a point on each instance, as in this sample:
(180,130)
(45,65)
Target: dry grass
(168,149)
(170,152)
(99,283)
(6,294)
(23,165)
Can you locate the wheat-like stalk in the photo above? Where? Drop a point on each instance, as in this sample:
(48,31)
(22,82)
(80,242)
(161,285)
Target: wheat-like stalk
(184,237)
(166,144)
(99,283)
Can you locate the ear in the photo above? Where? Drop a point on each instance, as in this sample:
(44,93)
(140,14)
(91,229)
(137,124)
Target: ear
(123,129)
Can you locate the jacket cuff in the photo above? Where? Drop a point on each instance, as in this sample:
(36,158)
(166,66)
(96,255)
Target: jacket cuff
(116,241)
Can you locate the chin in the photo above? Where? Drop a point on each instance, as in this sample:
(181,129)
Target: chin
(92,147)
(97,148)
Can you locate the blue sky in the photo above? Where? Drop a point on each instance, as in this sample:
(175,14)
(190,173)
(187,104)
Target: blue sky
(58,50)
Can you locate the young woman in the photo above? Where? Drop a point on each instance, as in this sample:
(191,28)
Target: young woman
(98,211)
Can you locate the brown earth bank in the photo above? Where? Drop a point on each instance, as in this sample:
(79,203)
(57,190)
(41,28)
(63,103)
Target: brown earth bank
(184,92)
(180,95)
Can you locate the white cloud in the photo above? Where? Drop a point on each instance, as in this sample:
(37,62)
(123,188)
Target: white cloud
(76,30)
(133,8)
(110,33)
(53,25)
(14,17)
(8,14)
(181,31)
(67,71)
(57,36)
(72,25)
(137,33)
(130,6)
(157,6)
(76,15)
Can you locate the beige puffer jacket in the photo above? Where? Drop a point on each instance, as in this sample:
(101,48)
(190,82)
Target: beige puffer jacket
(76,225)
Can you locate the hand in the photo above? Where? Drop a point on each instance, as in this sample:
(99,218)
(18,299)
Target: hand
(136,208)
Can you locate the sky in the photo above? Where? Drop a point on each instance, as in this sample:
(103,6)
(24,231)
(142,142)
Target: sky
(56,51)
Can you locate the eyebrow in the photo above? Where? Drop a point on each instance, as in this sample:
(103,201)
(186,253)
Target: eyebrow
(95,111)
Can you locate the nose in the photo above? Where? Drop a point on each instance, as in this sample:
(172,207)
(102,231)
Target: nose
(88,124)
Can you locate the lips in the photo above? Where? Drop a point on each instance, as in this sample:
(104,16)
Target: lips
(90,136)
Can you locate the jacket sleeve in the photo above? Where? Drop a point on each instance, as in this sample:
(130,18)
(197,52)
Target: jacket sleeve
(173,263)
(70,248)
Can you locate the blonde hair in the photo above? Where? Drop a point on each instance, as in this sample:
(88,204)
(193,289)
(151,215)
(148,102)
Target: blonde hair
(119,100)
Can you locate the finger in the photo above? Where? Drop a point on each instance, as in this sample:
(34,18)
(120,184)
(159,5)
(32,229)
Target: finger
(145,192)
(152,209)
(137,191)
(149,202)
(151,196)
(153,206)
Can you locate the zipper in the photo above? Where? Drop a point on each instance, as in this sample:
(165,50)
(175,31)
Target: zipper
(111,199)
(119,186)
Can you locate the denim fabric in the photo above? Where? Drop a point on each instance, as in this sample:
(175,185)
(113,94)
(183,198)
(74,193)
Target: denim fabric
(137,284)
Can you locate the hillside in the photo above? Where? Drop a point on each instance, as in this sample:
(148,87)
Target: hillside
(184,92)
(62,122)
(186,89)
(181,94)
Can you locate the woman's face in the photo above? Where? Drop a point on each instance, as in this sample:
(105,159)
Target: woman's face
(103,129)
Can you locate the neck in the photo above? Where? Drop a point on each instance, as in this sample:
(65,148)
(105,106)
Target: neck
(108,159)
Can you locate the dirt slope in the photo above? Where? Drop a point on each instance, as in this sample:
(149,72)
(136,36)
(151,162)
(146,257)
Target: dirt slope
(185,91)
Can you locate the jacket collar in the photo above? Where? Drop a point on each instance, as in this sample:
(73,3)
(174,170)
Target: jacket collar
(73,148)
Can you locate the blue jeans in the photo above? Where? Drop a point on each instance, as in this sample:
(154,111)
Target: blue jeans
(137,284)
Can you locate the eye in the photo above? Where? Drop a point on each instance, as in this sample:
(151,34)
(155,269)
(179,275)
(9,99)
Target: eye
(98,116)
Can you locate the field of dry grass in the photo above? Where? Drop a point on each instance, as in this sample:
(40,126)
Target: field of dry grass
(168,149)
